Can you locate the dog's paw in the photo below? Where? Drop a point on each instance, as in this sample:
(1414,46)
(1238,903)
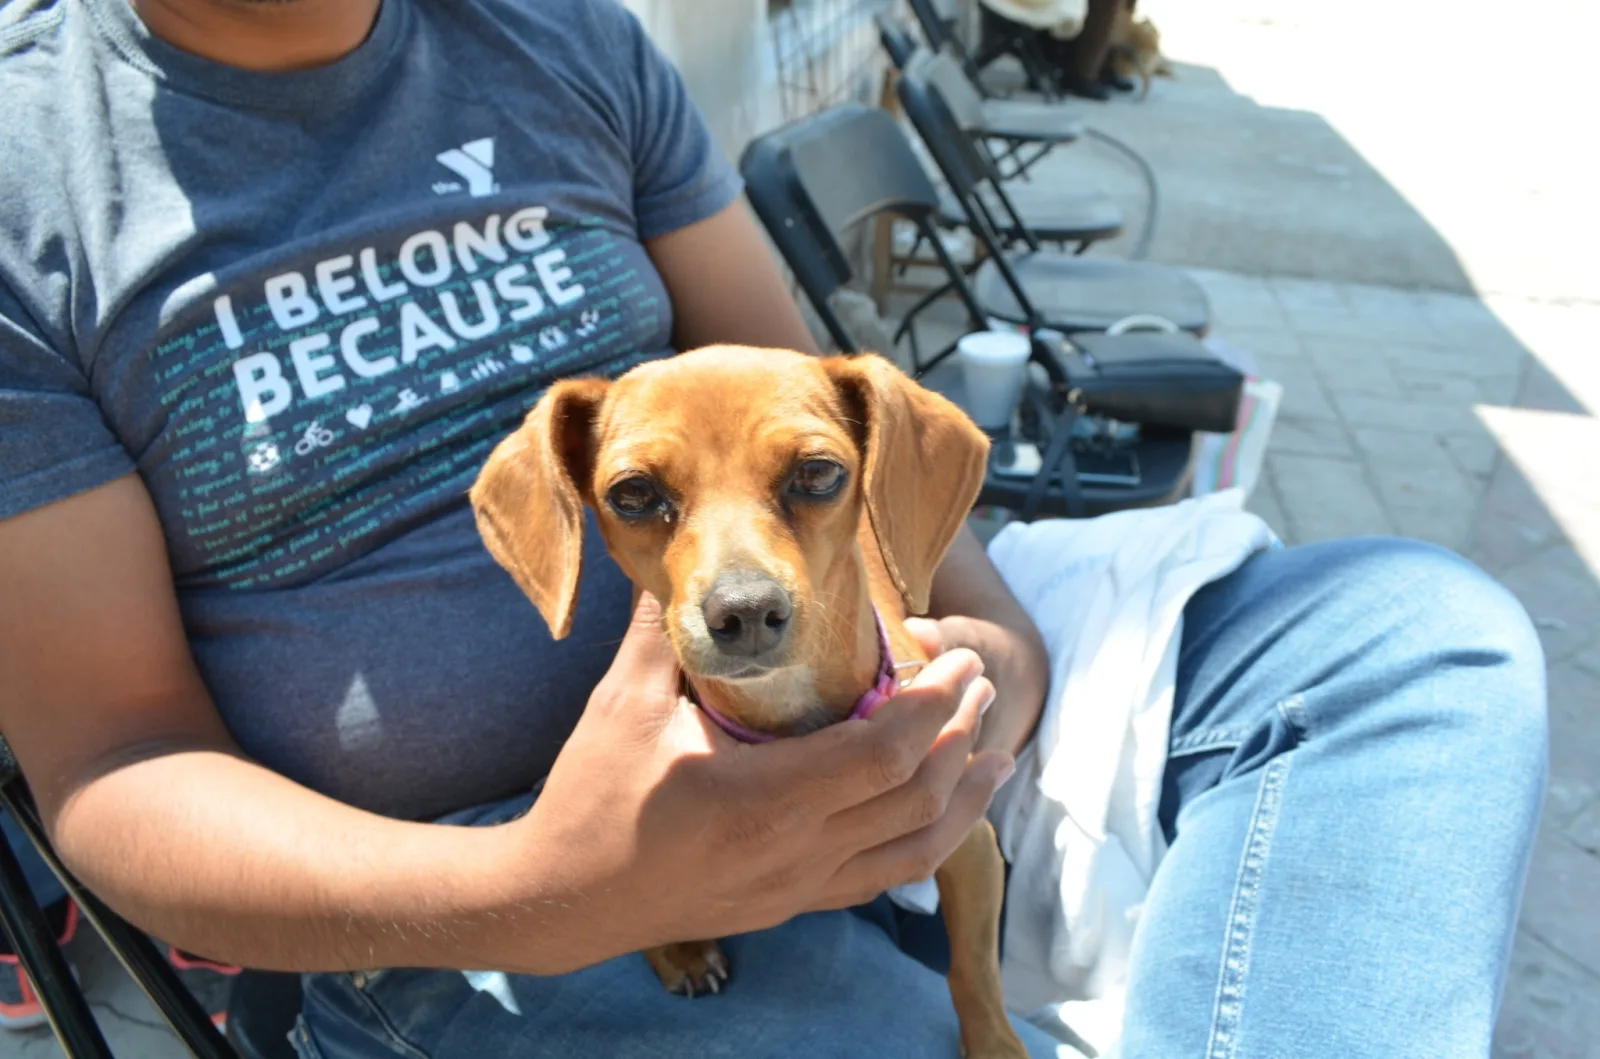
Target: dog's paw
(690,968)
(992,1040)
(1012,1049)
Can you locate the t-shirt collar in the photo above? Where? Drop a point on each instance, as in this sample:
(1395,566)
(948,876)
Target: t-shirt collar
(262,90)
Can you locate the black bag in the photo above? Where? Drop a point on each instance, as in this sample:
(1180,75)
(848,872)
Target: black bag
(1155,378)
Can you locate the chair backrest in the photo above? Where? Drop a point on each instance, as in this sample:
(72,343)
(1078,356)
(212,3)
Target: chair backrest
(923,96)
(939,20)
(815,179)
(896,38)
(961,158)
(937,26)
(964,100)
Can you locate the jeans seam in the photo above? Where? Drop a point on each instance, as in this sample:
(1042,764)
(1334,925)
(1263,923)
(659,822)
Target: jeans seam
(1222,737)
(305,1045)
(386,1025)
(1235,964)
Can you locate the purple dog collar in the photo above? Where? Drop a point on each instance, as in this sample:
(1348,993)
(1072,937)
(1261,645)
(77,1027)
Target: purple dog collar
(880,693)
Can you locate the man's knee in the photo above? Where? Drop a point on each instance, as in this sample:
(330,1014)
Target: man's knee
(1442,610)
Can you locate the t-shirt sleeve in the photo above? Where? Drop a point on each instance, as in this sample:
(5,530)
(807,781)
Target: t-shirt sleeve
(53,441)
(680,175)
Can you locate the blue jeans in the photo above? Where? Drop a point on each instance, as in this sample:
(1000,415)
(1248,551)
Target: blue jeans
(1357,762)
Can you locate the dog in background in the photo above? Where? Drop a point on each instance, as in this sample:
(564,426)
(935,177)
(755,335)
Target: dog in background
(789,512)
(1136,50)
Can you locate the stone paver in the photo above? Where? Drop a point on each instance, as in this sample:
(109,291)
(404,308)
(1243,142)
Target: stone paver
(1460,435)
(1549,1010)
(1584,831)
(1574,744)
(1560,592)
(1326,498)
(1558,907)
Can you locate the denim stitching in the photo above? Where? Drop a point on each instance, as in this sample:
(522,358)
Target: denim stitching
(387,1026)
(1235,966)
(1218,738)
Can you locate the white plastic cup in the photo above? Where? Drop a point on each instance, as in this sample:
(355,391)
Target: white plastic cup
(994,366)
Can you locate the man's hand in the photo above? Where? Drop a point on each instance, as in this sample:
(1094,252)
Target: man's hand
(660,828)
(1013,660)
(972,608)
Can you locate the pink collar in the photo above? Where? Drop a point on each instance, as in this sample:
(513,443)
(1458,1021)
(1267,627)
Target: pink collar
(880,693)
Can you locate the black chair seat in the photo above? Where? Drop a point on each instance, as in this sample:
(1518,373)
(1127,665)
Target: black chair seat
(1075,294)
(1029,121)
(1166,465)
(1061,218)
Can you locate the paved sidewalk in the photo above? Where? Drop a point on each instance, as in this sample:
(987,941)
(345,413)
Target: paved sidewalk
(1472,425)
(1407,246)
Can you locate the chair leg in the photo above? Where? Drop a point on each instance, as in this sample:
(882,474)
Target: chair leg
(40,956)
(183,1013)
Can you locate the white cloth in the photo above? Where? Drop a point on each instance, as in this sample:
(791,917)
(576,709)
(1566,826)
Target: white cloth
(1063,17)
(1078,820)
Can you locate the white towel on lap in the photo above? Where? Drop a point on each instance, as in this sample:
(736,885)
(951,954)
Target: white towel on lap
(1078,820)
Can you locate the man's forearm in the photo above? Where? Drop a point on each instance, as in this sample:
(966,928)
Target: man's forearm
(979,612)
(222,857)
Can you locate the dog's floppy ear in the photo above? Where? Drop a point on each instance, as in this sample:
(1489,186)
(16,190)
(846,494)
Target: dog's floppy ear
(923,464)
(529,498)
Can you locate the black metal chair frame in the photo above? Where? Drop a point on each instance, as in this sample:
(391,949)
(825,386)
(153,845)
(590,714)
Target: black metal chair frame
(939,32)
(975,155)
(35,945)
(806,202)
(968,170)
(794,179)
(969,177)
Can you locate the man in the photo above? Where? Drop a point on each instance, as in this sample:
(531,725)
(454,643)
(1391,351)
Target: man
(274,276)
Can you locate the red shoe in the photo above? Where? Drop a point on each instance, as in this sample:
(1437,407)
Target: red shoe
(208,980)
(20,1008)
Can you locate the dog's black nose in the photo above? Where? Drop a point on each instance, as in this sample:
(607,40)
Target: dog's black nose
(747,614)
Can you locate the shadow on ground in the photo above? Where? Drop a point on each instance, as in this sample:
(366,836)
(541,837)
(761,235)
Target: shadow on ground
(1412,406)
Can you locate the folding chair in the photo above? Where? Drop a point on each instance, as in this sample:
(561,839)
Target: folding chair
(1036,287)
(874,172)
(813,180)
(65,1005)
(1018,124)
(1078,219)
(939,19)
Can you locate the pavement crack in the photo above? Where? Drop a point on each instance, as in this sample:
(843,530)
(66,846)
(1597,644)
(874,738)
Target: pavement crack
(138,1020)
(1583,969)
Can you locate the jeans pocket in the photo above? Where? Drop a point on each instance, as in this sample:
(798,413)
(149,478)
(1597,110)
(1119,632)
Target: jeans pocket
(305,1046)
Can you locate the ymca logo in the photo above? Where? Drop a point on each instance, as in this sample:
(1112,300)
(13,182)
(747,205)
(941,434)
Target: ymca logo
(472,162)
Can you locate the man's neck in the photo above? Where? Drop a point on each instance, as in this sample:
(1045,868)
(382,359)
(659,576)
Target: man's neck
(261,34)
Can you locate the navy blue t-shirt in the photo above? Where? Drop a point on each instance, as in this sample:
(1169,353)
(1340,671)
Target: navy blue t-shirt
(304,307)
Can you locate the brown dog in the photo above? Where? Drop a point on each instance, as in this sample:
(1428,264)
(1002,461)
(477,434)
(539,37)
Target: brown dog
(1136,49)
(773,502)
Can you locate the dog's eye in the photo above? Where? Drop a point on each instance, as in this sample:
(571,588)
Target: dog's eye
(633,497)
(817,478)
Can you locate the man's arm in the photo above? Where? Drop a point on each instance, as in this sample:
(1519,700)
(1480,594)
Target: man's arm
(726,287)
(973,608)
(150,801)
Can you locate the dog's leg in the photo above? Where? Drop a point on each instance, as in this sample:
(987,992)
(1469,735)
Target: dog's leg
(971,889)
(690,968)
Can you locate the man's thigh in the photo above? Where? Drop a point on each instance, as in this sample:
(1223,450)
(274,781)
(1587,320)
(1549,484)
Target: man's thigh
(829,984)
